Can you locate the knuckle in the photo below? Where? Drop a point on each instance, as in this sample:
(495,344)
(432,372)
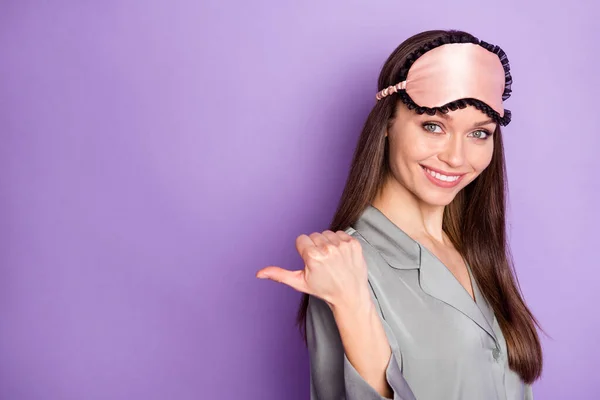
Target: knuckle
(299,238)
(341,234)
(355,244)
(312,253)
(329,248)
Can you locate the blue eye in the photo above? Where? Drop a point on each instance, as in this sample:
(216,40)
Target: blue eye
(479,134)
(430,127)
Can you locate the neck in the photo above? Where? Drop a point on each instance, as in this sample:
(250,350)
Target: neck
(418,219)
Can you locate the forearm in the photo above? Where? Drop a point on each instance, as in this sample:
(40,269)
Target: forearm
(365,343)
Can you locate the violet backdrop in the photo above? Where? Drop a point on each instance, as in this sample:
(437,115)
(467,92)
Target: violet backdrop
(155,154)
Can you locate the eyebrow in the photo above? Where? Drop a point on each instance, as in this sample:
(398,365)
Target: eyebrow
(482,123)
(448,117)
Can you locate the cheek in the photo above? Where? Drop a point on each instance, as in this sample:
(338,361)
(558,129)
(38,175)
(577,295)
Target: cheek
(416,148)
(480,158)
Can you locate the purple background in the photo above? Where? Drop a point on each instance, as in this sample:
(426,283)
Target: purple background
(155,155)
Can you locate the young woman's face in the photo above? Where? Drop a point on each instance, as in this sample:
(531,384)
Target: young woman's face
(434,157)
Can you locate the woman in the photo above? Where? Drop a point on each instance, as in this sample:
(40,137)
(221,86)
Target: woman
(411,292)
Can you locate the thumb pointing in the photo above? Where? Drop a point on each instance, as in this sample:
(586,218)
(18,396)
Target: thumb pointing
(294,279)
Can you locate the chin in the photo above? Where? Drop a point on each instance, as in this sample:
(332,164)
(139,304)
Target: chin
(437,199)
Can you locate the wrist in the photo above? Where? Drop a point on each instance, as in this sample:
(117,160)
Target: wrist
(355,305)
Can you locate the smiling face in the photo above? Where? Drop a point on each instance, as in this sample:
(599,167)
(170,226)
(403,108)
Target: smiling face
(434,157)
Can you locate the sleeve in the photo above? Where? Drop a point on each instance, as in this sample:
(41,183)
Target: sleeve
(332,376)
(528,393)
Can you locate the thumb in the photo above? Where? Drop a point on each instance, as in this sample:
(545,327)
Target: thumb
(294,279)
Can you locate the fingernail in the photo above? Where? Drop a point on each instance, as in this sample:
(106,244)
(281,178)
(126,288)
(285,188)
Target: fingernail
(262,276)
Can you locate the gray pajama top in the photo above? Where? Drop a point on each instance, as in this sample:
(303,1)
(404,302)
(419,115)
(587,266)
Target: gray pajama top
(445,346)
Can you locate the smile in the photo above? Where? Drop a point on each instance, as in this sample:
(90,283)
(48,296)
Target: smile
(442,180)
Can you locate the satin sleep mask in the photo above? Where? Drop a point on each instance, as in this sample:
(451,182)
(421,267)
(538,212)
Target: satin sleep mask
(454,75)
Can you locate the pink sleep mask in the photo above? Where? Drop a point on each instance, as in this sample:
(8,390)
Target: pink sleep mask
(456,71)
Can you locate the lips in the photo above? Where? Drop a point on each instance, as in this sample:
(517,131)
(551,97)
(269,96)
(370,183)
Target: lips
(441,172)
(442,179)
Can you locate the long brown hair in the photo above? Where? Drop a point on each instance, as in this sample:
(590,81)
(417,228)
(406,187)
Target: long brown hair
(474,220)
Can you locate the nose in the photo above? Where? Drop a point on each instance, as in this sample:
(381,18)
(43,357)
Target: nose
(453,153)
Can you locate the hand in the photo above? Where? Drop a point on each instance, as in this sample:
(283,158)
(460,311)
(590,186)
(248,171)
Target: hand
(334,269)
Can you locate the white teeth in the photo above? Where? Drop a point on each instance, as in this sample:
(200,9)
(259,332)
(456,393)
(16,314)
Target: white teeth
(441,177)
